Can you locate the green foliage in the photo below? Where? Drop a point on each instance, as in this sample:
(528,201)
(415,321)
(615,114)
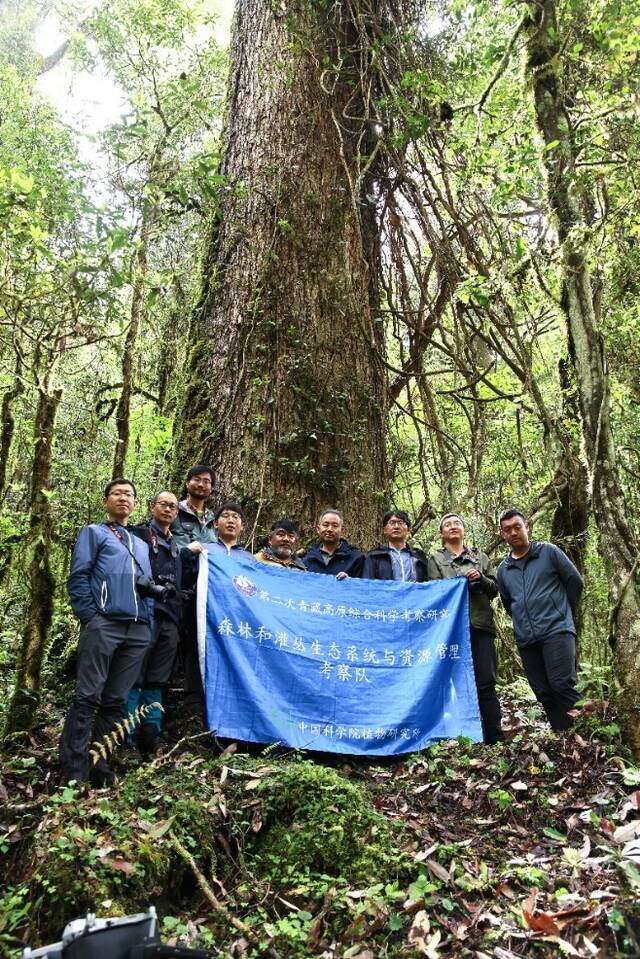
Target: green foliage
(319,822)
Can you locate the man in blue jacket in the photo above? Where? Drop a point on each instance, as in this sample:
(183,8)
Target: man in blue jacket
(333,555)
(540,589)
(106,567)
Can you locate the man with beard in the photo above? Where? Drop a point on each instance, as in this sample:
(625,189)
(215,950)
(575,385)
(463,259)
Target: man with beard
(194,523)
(281,546)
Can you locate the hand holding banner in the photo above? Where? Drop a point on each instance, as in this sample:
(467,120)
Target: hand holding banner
(358,666)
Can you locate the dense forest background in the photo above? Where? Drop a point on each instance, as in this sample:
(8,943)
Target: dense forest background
(370,252)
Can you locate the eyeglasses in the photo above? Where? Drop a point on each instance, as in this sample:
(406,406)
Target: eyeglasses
(227,515)
(164,505)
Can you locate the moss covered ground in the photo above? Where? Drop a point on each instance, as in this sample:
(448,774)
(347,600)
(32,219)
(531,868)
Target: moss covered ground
(530,848)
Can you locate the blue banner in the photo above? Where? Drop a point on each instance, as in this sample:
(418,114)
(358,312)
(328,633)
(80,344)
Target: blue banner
(358,666)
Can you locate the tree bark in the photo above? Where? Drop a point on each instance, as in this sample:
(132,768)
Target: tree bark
(286,389)
(619,543)
(42,582)
(123,409)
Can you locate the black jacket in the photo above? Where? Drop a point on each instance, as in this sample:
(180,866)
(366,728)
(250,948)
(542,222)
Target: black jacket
(170,565)
(346,559)
(378,565)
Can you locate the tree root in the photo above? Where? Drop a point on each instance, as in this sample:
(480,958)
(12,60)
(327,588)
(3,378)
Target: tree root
(215,903)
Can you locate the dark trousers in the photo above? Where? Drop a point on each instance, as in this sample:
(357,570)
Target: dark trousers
(550,667)
(193,688)
(485,668)
(156,672)
(110,654)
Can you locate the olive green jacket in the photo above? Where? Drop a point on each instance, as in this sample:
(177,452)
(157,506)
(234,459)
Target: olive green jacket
(443,565)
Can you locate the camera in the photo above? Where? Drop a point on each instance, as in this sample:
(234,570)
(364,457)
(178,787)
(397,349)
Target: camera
(160,592)
(128,937)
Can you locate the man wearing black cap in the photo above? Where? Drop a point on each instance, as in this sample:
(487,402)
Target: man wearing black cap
(281,546)
(457,559)
(396,559)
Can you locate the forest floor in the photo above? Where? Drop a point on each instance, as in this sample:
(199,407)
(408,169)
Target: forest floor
(531,848)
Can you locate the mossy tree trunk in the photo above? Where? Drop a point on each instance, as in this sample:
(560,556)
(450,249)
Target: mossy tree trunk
(619,543)
(286,387)
(41,579)
(130,347)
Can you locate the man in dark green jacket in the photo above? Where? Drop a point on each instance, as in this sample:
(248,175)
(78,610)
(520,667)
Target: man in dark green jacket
(456,559)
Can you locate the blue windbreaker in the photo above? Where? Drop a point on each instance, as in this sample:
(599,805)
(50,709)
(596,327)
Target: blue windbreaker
(104,573)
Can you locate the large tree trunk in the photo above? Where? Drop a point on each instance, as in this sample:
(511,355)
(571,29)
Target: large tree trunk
(619,543)
(286,386)
(41,578)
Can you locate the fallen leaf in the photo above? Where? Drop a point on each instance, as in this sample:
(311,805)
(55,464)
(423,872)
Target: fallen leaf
(121,865)
(519,786)
(437,870)
(624,833)
(541,922)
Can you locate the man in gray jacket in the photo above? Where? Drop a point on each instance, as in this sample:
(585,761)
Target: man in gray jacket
(540,589)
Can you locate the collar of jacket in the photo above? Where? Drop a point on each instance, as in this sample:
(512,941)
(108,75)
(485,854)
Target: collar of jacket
(184,507)
(533,553)
(343,548)
(385,548)
(468,551)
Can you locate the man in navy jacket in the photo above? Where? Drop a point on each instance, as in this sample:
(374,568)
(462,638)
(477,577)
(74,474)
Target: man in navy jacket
(540,589)
(116,619)
(396,559)
(333,555)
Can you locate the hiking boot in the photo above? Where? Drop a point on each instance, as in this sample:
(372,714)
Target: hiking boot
(101,775)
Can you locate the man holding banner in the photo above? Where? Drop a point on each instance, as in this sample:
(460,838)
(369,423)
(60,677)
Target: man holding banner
(357,667)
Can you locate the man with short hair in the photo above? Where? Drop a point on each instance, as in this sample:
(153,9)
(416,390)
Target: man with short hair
(194,523)
(116,619)
(333,555)
(172,568)
(396,559)
(281,546)
(228,521)
(540,589)
(457,559)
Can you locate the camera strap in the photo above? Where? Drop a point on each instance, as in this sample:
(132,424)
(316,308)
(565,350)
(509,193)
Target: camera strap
(118,535)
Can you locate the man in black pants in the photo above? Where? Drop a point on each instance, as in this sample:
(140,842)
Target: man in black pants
(173,569)
(457,559)
(194,523)
(540,589)
(106,565)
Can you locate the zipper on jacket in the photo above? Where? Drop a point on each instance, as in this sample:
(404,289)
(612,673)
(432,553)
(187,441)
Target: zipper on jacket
(133,576)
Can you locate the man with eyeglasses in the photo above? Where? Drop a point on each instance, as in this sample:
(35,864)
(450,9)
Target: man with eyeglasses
(228,521)
(173,569)
(106,565)
(194,523)
(396,559)
(281,546)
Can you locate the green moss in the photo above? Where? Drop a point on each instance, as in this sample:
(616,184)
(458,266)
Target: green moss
(319,821)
